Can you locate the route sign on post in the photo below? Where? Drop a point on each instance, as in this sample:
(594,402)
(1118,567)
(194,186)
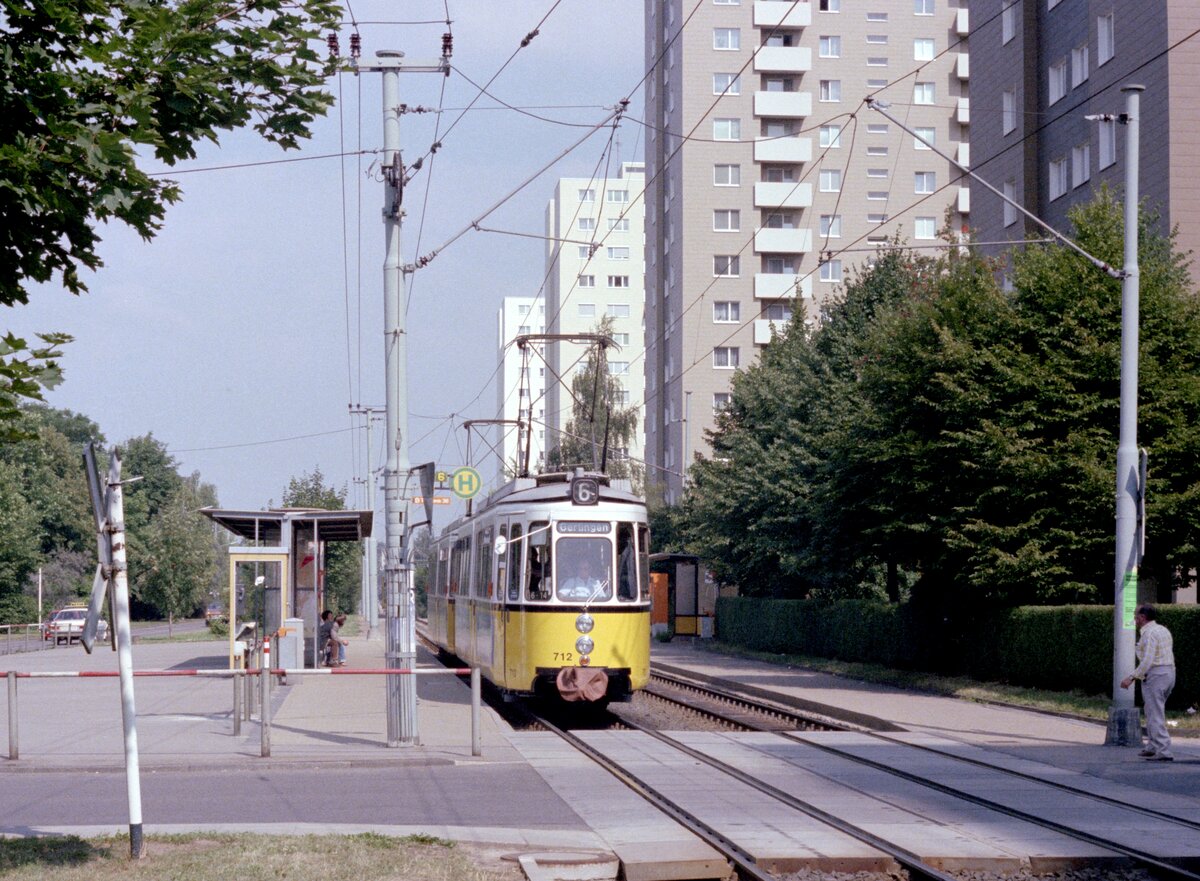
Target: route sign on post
(466,482)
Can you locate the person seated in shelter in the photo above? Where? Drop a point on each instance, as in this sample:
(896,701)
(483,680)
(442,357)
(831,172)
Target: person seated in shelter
(337,643)
(323,631)
(583,585)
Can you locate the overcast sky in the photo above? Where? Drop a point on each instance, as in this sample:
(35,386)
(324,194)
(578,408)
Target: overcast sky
(230,328)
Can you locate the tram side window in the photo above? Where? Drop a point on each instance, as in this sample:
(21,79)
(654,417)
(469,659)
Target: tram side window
(444,571)
(644,559)
(434,583)
(483,579)
(514,564)
(540,564)
(502,566)
(626,563)
(455,566)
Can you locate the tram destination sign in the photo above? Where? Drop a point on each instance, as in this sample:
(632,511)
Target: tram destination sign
(583,527)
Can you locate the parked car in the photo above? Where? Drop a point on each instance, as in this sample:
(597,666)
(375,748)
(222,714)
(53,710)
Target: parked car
(214,612)
(66,626)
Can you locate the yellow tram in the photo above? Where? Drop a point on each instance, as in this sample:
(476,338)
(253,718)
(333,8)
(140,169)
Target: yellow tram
(546,588)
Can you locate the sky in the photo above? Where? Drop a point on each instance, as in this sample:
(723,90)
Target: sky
(256,314)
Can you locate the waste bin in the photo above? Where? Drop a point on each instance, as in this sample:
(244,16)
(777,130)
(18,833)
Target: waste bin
(290,645)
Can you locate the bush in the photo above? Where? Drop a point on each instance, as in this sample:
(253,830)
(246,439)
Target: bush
(1060,648)
(218,626)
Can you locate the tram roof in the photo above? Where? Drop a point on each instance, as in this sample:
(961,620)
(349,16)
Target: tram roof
(268,525)
(546,489)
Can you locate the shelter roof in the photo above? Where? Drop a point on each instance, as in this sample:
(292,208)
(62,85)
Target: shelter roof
(267,526)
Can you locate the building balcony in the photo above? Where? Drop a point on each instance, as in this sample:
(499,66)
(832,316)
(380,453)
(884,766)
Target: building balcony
(964,200)
(769,194)
(781,286)
(787,149)
(963,116)
(964,154)
(962,67)
(962,22)
(782,13)
(782,59)
(790,104)
(763,328)
(783,241)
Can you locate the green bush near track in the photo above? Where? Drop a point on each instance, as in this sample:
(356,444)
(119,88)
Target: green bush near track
(1052,647)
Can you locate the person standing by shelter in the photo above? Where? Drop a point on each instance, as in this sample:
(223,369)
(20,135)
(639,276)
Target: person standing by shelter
(323,634)
(337,643)
(1156,669)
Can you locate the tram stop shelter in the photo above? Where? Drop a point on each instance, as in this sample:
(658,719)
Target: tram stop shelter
(277,577)
(681,600)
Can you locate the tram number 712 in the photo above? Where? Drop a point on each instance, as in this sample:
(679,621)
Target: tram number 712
(564,656)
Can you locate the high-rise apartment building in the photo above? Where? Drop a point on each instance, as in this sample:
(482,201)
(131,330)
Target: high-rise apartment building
(769,179)
(519,396)
(595,247)
(1042,67)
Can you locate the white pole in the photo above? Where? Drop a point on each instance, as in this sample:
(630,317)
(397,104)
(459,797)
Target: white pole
(116,527)
(39,597)
(1124,726)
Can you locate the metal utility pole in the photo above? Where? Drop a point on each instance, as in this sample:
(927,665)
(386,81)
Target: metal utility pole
(1124,723)
(370,593)
(400,609)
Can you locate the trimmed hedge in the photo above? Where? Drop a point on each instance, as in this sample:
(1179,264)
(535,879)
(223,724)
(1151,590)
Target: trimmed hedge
(1053,647)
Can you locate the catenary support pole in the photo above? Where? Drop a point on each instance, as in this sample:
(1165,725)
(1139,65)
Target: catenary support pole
(1124,726)
(237,703)
(264,711)
(120,580)
(476,693)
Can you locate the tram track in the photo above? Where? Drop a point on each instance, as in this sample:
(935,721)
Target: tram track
(749,705)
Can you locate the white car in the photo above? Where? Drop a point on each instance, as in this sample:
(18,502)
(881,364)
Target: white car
(66,625)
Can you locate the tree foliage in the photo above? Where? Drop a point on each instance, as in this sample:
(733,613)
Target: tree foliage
(597,419)
(92,88)
(938,432)
(343,559)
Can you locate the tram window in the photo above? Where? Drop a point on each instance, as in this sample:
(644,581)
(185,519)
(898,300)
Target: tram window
(502,566)
(540,563)
(444,571)
(514,564)
(483,574)
(626,566)
(433,579)
(464,568)
(644,559)
(585,569)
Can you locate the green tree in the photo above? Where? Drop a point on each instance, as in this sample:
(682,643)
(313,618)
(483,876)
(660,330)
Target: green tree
(343,559)
(597,420)
(19,549)
(95,87)
(178,562)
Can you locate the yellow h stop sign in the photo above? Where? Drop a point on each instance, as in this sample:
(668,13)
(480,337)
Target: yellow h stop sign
(466,482)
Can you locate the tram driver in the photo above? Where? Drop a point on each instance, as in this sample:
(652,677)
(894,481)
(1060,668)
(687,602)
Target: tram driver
(584,584)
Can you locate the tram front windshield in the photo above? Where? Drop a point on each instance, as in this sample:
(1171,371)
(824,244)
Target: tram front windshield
(584,570)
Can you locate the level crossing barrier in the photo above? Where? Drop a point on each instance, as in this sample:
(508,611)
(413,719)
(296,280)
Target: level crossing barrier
(243,692)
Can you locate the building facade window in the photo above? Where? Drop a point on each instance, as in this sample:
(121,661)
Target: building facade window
(727,129)
(829,47)
(1108,143)
(1081,165)
(877,128)
(586,224)
(727,265)
(924,182)
(727,220)
(831,271)
(588,195)
(880,150)
(877,173)
(924,93)
(584,252)
(830,180)
(831,226)
(726,357)
(923,49)
(1008,23)
(1010,211)
(829,5)
(831,90)
(587,281)
(617,310)
(727,84)
(727,175)
(1106,40)
(877,16)
(1058,177)
(1079,65)
(617,196)
(876,219)
(727,38)
(925,228)
(1008,112)
(618,224)
(1058,80)
(727,312)
(877,39)
(923,7)
(929,136)
(618,368)
(587,310)
(618,253)
(829,136)
(720,401)
(618,281)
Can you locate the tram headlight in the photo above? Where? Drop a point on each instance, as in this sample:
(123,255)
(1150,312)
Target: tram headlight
(584,660)
(584,623)
(584,645)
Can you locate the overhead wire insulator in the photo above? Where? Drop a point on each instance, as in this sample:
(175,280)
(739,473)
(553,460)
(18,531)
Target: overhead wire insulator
(331,40)
(355,45)
(447,45)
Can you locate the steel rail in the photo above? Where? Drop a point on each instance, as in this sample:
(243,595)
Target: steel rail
(1146,860)
(769,707)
